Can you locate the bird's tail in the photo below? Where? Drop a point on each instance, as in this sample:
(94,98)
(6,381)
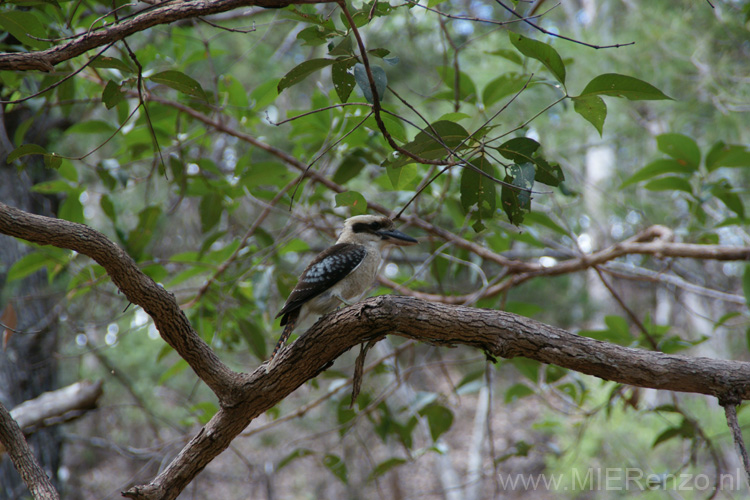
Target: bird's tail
(291,322)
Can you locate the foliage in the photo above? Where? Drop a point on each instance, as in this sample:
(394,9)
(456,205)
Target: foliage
(189,144)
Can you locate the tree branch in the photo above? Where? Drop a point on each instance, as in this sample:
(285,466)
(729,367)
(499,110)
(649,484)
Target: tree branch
(32,474)
(133,283)
(243,397)
(164,13)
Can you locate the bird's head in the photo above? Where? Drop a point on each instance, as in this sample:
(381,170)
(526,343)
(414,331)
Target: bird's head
(373,228)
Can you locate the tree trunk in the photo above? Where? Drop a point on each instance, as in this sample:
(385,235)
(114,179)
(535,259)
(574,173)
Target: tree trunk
(28,366)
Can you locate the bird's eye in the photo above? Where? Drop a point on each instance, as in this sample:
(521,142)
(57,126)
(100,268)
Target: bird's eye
(375,225)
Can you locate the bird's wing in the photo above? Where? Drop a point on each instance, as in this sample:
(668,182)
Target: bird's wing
(328,268)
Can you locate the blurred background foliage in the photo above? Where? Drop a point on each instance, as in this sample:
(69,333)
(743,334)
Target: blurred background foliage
(198,179)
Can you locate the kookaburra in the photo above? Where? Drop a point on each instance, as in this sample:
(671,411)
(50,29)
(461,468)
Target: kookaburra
(341,273)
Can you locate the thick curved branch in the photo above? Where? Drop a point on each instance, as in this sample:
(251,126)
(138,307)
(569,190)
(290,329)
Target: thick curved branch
(164,13)
(495,332)
(133,283)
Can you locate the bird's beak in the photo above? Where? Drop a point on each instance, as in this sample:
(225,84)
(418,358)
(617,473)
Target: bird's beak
(397,238)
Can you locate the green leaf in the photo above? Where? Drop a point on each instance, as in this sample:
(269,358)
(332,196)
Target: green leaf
(343,48)
(302,71)
(108,207)
(25,149)
(616,85)
(337,467)
(236,93)
(727,155)
(680,147)
(658,167)
(403,178)
(730,196)
(180,366)
(343,81)
(314,35)
(516,392)
(508,54)
(385,466)
(378,76)
(541,219)
(352,165)
(265,93)
(503,85)
(112,95)
(210,209)
(28,264)
(435,141)
(669,183)
(593,109)
(21,24)
(467,91)
(517,202)
(298,453)
(104,62)
(142,234)
(529,368)
(354,200)
(541,52)
(180,82)
(439,419)
(477,190)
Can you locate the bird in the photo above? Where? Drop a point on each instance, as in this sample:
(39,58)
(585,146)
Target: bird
(341,273)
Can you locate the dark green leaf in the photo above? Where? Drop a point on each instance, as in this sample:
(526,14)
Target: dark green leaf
(210,209)
(108,207)
(314,35)
(666,435)
(385,466)
(727,155)
(180,366)
(616,85)
(352,165)
(541,52)
(343,48)
(477,190)
(142,234)
(302,71)
(680,147)
(730,196)
(593,109)
(112,95)
(504,85)
(378,76)
(343,81)
(517,202)
(111,63)
(25,149)
(354,200)
(658,167)
(180,82)
(439,419)
(434,142)
(467,91)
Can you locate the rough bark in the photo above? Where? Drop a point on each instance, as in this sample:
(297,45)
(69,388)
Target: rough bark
(243,397)
(33,475)
(164,13)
